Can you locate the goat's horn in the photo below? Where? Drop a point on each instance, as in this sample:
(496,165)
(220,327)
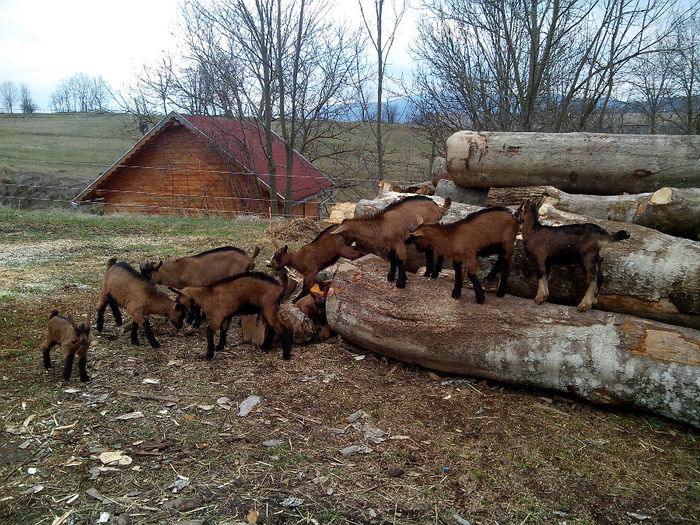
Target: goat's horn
(178,292)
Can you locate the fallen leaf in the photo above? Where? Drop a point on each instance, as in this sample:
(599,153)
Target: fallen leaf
(434,376)
(272,442)
(253,517)
(355,416)
(28,420)
(117,457)
(34,489)
(188,417)
(104,517)
(359,357)
(291,502)
(352,449)
(148,381)
(16,429)
(206,407)
(93,492)
(129,415)
(179,484)
(247,405)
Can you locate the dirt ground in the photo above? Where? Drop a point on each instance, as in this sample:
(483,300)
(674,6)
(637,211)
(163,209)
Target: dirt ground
(338,435)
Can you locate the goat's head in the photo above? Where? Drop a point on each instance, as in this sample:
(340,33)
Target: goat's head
(183,305)
(148,268)
(345,230)
(281,258)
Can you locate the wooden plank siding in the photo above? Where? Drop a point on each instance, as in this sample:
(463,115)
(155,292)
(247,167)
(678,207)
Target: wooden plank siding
(182,174)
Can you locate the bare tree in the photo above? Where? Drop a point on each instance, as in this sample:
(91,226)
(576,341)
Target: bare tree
(382,41)
(9,96)
(26,103)
(532,64)
(686,75)
(81,93)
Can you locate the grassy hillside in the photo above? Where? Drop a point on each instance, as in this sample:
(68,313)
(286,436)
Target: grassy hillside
(51,157)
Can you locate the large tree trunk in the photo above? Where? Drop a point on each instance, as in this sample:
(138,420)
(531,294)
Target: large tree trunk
(599,356)
(601,164)
(651,275)
(675,211)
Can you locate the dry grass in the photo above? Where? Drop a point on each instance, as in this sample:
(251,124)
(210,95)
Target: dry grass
(483,451)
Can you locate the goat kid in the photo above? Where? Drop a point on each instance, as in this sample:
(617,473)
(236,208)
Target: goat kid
(386,232)
(249,293)
(73,337)
(124,286)
(202,269)
(310,259)
(486,232)
(581,244)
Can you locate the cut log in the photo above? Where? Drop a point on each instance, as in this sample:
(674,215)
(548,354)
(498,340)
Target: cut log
(601,164)
(650,275)
(446,188)
(599,356)
(675,211)
(438,170)
(340,211)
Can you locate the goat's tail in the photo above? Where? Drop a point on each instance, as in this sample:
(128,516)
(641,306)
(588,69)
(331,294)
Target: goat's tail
(54,313)
(111,262)
(256,251)
(619,236)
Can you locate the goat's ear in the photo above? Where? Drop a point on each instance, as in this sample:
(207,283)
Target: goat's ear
(284,248)
(159,265)
(343,227)
(175,291)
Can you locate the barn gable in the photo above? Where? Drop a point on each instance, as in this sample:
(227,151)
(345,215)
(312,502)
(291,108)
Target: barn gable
(202,165)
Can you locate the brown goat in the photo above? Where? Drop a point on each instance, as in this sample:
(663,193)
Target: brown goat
(486,232)
(73,337)
(580,244)
(387,232)
(310,259)
(124,286)
(202,269)
(248,293)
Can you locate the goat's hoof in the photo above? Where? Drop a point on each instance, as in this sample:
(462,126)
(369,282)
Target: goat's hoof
(209,357)
(583,307)
(456,295)
(481,300)
(539,300)
(85,379)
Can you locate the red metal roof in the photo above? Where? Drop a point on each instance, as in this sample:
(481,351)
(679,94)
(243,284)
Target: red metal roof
(244,142)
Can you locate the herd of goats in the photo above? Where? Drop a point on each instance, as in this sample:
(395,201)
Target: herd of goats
(218,284)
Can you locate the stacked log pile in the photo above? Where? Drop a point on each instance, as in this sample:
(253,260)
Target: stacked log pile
(644,350)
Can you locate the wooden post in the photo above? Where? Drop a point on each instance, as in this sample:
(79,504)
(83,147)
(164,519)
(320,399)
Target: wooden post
(600,356)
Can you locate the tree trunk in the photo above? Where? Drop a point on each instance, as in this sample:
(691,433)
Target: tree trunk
(675,211)
(599,356)
(651,275)
(601,164)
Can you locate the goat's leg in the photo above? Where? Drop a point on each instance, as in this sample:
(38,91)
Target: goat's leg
(67,364)
(82,362)
(271,315)
(305,290)
(438,267)
(46,351)
(134,333)
(591,264)
(457,290)
(400,255)
(503,281)
(428,262)
(472,270)
(391,276)
(101,306)
(149,334)
(210,343)
(223,330)
(543,271)
(114,306)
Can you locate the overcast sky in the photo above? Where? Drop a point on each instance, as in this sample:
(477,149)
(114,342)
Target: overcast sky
(44,41)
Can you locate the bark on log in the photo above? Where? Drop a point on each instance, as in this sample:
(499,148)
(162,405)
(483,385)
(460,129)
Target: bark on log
(675,211)
(577,162)
(650,275)
(600,356)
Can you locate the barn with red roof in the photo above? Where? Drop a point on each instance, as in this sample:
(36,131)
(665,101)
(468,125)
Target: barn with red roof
(194,165)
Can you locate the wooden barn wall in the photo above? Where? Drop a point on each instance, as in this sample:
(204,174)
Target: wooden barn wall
(177,173)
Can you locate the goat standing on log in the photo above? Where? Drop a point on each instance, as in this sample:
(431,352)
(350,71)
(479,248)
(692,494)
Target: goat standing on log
(486,232)
(249,293)
(124,286)
(310,259)
(386,232)
(74,339)
(569,244)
